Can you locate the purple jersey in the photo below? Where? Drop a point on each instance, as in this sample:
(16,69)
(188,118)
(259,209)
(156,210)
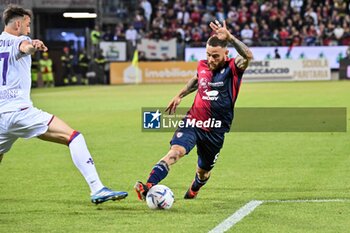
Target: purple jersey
(216,95)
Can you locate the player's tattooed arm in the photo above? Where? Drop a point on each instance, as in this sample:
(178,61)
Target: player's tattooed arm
(241,48)
(190,87)
(244,53)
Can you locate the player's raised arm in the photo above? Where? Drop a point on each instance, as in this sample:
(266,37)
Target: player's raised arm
(190,87)
(245,55)
(30,47)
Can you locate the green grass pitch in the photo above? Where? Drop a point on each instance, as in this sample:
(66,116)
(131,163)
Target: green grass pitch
(42,191)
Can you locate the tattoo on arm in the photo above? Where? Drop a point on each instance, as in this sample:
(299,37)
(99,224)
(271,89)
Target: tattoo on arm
(190,87)
(173,159)
(241,48)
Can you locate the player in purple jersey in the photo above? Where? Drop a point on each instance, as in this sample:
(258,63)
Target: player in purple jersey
(217,83)
(20,119)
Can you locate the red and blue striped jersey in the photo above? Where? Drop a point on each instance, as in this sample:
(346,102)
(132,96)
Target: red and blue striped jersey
(216,95)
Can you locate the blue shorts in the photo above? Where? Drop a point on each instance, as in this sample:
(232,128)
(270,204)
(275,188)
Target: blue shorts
(208,144)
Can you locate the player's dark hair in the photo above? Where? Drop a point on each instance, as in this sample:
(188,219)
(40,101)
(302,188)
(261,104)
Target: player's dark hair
(214,41)
(14,11)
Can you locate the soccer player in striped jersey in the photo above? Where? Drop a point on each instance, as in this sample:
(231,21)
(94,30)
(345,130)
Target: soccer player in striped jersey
(217,82)
(20,119)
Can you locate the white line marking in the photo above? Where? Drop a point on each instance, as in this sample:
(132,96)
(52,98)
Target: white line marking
(307,201)
(250,207)
(236,217)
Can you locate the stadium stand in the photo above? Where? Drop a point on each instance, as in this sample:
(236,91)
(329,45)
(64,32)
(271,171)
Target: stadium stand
(257,23)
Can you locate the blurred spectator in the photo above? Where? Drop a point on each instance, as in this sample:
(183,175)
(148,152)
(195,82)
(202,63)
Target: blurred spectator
(220,15)
(101,68)
(284,37)
(346,36)
(254,8)
(170,17)
(253,22)
(275,38)
(296,4)
(95,36)
(195,15)
(119,34)
(208,17)
(338,34)
(265,35)
(312,14)
(310,35)
(329,38)
(196,37)
(46,70)
(139,20)
(211,6)
(83,65)
(109,34)
(277,55)
(67,67)
(233,14)
(147,7)
(131,37)
(340,7)
(158,21)
(348,53)
(247,35)
(183,15)
(35,70)
(121,10)
(296,37)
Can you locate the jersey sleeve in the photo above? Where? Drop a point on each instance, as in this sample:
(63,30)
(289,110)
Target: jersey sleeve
(17,44)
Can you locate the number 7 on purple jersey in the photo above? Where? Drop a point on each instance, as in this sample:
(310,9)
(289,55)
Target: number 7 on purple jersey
(4,56)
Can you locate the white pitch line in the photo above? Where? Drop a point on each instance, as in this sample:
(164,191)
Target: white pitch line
(236,217)
(307,201)
(250,206)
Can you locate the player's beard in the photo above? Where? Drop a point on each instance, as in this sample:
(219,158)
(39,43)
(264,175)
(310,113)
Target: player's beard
(214,67)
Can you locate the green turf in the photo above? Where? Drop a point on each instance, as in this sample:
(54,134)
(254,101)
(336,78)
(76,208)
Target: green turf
(41,191)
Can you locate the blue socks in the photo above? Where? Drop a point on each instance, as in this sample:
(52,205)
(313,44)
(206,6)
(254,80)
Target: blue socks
(158,173)
(197,183)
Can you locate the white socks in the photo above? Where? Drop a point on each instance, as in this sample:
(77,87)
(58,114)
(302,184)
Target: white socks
(83,161)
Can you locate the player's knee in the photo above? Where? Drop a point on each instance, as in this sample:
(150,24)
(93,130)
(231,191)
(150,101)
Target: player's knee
(178,150)
(72,136)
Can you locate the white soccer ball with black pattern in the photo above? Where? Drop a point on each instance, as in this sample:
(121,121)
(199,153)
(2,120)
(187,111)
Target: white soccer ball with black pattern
(160,197)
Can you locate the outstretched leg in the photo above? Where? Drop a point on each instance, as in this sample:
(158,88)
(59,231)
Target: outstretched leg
(160,170)
(200,179)
(60,132)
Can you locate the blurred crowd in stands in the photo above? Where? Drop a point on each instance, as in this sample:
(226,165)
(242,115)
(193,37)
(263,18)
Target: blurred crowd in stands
(256,22)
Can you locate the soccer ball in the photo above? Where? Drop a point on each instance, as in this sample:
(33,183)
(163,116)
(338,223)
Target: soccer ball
(160,197)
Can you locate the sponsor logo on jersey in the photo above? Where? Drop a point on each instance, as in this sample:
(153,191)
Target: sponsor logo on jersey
(9,94)
(210,95)
(203,83)
(216,84)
